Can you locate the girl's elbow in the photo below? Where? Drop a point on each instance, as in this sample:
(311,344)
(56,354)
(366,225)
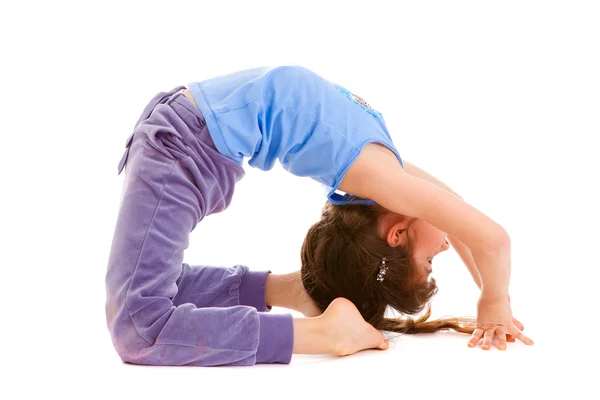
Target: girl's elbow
(498,241)
(503,239)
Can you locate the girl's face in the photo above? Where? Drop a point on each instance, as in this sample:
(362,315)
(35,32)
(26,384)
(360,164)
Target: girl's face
(426,240)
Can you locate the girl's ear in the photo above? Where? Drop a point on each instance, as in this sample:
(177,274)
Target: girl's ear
(396,235)
(394,228)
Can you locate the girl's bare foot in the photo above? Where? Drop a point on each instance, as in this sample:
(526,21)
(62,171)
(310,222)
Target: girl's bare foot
(340,330)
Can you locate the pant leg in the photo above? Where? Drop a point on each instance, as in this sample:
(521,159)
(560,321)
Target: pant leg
(171,183)
(208,286)
(211,286)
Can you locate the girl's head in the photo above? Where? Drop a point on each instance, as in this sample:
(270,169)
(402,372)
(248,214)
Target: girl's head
(420,239)
(342,255)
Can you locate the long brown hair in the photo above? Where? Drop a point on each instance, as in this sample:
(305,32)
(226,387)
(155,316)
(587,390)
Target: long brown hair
(341,257)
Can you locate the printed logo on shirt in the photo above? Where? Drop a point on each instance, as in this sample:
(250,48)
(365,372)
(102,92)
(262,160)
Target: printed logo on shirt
(358,100)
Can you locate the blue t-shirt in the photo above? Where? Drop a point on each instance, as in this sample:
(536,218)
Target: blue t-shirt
(314,127)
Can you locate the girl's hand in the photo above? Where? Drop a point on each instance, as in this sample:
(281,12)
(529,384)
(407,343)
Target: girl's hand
(494,319)
(518,324)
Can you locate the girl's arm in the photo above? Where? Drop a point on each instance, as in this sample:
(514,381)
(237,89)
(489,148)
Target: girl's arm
(467,258)
(462,250)
(376,174)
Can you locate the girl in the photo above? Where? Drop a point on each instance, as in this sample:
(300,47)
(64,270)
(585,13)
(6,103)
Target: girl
(372,247)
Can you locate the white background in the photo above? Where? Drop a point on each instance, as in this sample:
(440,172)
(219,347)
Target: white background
(499,100)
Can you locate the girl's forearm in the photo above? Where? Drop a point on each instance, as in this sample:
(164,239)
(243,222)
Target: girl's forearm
(465,255)
(489,269)
(494,270)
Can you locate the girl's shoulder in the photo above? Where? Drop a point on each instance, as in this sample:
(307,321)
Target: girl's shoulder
(373,157)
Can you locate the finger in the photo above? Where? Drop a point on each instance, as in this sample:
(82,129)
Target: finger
(501,333)
(518,324)
(487,339)
(522,338)
(510,338)
(475,337)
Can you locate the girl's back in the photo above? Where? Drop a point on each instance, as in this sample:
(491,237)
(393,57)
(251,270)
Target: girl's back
(315,128)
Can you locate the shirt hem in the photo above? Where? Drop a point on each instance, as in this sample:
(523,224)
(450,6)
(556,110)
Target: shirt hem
(211,123)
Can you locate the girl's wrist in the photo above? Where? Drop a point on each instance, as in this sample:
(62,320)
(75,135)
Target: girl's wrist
(494,293)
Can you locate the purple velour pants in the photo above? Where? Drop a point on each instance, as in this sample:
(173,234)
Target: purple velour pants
(159,310)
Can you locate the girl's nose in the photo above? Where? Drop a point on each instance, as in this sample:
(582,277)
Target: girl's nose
(446,244)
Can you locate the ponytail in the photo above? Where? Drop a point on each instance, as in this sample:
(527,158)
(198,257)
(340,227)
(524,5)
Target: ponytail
(421,325)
